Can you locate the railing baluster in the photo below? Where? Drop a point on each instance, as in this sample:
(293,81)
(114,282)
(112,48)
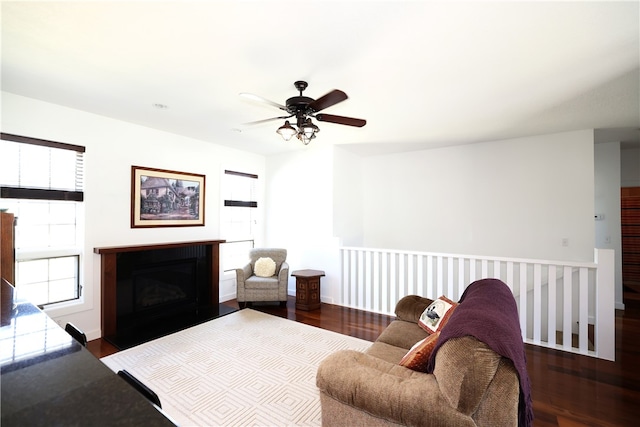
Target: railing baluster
(461,274)
(509,280)
(376,282)
(420,276)
(393,277)
(402,275)
(496,269)
(439,277)
(472,270)
(384,281)
(537,303)
(552,307)
(367,294)
(449,276)
(567,304)
(523,299)
(583,323)
(411,286)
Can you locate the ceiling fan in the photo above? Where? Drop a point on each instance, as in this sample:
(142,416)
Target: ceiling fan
(303,109)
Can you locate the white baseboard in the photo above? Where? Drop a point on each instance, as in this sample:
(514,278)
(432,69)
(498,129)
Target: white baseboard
(227,297)
(326,300)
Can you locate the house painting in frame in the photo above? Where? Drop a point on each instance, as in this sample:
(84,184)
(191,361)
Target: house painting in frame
(165,198)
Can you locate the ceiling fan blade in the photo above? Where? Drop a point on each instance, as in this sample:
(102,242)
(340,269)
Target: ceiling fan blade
(328,100)
(261,99)
(267,120)
(349,121)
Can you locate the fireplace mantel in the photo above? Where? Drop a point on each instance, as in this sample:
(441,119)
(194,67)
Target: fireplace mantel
(154,246)
(109,276)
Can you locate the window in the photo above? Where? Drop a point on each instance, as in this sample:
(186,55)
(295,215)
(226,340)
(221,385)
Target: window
(41,183)
(238,218)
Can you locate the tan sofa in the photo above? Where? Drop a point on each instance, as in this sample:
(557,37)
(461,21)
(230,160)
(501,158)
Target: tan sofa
(471,385)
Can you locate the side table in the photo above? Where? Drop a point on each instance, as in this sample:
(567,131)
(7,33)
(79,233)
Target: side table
(307,289)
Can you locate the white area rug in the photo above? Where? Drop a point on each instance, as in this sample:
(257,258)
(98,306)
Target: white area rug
(244,369)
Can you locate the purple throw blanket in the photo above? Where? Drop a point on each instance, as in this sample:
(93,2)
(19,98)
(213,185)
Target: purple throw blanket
(488,312)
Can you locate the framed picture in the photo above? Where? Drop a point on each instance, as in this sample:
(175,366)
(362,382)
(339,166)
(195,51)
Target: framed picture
(164,198)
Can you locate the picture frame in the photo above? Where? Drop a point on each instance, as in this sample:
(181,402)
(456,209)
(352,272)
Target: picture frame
(166,198)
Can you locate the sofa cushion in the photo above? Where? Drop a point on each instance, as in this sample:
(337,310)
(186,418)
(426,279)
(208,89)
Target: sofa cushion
(255,282)
(434,317)
(417,358)
(386,352)
(265,267)
(402,334)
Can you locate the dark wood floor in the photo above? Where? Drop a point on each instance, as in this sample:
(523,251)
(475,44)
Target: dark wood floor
(568,390)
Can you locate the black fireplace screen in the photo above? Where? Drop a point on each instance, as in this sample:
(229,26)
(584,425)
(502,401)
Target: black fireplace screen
(165,284)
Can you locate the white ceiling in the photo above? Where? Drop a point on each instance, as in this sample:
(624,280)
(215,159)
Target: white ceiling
(423,74)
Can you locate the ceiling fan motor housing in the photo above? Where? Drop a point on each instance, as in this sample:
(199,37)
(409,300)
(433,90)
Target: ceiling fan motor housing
(299,104)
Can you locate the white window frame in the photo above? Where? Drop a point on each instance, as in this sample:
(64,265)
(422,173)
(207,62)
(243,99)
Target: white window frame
(235,251)
(17,192)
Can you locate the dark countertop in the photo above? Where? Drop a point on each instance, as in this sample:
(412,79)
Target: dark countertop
(48,378)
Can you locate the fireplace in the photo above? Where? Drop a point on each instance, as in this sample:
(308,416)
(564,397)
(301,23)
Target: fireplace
(153,290)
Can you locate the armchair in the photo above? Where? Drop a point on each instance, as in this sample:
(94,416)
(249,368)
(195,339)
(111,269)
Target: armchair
(252,288)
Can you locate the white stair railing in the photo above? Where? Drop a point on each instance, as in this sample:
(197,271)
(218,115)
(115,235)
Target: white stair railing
(566,306)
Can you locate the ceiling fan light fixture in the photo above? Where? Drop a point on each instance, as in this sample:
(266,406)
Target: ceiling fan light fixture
(304,139)
(309,129)
(286,131)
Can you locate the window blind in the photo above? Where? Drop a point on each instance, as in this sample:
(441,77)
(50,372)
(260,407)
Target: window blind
(38,169)
(240,189)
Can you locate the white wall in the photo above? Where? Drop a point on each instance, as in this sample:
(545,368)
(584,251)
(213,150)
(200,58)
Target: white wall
(112,147)
(630,167)
(515,198)
(299,214)
(347,197)
(607,207)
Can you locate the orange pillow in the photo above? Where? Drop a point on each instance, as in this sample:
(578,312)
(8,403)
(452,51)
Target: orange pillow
(418,357)
(434,317)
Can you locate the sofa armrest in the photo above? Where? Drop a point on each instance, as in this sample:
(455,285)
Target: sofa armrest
(283,274)
(243,273)
(410,308)
(385,390)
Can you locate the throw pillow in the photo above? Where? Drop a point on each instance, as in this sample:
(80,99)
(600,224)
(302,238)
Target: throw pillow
(265,267)
(418,357)
(434,317)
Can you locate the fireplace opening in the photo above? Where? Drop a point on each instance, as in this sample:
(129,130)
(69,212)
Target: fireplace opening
(162,293)
(166,285)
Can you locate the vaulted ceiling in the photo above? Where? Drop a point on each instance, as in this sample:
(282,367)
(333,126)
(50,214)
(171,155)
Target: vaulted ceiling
(423,74)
